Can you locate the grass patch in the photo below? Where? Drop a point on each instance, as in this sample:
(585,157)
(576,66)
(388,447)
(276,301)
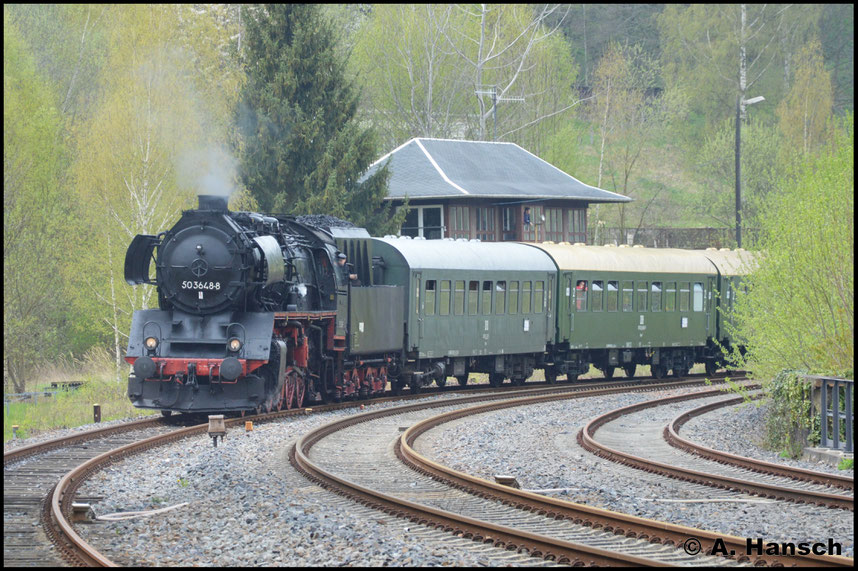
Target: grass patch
(68,409)
(846,464)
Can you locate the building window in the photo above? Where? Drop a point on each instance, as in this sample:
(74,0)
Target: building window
(577,224)
(424,222)
(508,227)
(535,231)
(486,224)
(460,223)
(554,224)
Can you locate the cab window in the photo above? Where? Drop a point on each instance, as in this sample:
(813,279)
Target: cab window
(487,298)
(500,297)
(473,292)
(655,296)
(670,296)
(459,298)
(596,295)
(429,299)
(444,298)
(642,291)
(513,297)
(697,297)
(684,294)
(525,297)
(628,296)
(613,290)
(581,295)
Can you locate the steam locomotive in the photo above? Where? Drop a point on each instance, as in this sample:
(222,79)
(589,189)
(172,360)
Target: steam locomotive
(257,312)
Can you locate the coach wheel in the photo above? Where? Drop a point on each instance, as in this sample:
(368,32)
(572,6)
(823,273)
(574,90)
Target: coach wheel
(711,367)
(495,379)
(630,370)
(166,413)
(440,381)
(551,375)
(608,371)
(463,380)
(518,381)
(659,371)
(679,372)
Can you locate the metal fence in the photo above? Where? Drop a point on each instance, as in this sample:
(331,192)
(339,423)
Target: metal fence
(835,411)
(690,238)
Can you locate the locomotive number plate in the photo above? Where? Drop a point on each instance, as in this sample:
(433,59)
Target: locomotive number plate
(193,284)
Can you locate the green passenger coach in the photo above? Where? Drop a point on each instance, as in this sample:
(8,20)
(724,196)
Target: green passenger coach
(468,306)
(628,306)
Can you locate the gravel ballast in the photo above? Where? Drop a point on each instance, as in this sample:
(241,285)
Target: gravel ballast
(246,505)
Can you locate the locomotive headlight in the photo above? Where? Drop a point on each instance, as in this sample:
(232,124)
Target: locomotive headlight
(151,343)
(234,345)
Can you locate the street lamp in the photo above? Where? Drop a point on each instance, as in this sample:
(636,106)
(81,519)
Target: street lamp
(740,110)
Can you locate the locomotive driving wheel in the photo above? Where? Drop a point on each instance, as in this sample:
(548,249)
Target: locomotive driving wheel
(300,389)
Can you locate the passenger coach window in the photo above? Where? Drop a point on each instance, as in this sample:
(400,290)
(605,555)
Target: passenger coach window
(641,304)
(459,298)
(596,296)
(697,300)
(628,296)
(613,288)
(487,298)
(444,298)
(581,295)
(538,292)
(513,297)
(670,297)
(655,296)
(500,297)
(430,298)
(525,297)
(473,292)
(684,292)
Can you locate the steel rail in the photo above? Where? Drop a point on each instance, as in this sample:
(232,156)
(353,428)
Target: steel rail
(470,527)
(587,441)
(671,434)
(619,523)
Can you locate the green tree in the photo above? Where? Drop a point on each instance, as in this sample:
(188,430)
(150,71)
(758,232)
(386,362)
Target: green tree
(152,142)
(798,311)
(301,149)
(805,111)
(35,204)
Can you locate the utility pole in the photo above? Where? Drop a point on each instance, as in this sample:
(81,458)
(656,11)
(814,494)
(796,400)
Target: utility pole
(494,93)
(740,113)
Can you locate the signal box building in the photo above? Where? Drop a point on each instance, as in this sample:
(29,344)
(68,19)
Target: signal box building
(489,191)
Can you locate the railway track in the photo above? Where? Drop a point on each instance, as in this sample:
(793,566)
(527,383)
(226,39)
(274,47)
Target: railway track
(638,439)
(489,512)
(40,480)
(671,434)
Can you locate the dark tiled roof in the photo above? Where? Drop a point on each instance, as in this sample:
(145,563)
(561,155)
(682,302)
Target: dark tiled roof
(441,168)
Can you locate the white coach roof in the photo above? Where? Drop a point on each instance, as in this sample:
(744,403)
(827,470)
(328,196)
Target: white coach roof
(628,259)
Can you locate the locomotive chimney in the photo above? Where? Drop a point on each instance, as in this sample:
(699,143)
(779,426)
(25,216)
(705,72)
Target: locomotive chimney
(213,202)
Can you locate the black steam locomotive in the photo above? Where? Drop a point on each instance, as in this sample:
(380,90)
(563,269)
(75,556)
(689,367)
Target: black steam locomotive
(247,316)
